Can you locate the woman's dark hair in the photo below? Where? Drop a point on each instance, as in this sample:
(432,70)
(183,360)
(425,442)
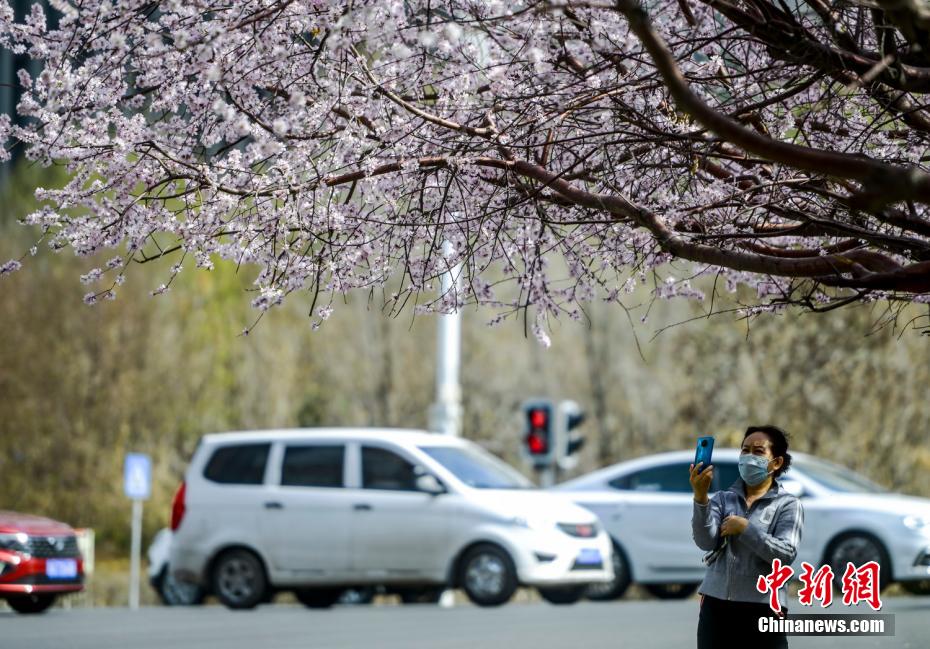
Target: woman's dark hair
(779,439)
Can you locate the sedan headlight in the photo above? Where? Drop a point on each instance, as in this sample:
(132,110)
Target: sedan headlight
(917,523)
(18,542)
(582,531)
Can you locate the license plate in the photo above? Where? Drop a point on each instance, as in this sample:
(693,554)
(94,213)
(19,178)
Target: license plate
(589,556)
(60,568)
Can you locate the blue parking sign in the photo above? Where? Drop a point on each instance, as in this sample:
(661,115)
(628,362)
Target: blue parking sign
(137,476)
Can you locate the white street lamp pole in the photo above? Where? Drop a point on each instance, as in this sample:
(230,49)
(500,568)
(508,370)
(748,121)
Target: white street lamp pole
(446,412)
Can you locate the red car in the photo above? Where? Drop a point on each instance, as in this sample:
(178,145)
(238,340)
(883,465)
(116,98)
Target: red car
(39,560)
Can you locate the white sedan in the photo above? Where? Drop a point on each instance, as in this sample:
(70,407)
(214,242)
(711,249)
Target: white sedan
(645,506)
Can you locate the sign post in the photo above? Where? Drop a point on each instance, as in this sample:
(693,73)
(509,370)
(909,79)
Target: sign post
(137,483)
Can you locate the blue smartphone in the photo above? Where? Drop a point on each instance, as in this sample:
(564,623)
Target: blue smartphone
(704,452)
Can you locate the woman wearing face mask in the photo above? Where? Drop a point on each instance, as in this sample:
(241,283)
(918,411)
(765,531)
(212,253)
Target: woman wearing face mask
(743,529)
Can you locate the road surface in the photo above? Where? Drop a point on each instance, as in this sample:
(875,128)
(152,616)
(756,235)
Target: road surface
(643,624)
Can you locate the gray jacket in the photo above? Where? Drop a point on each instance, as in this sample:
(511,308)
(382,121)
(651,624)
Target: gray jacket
(736,562)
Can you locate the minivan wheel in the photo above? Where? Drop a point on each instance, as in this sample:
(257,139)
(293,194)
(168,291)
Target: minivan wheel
(488,575)
(562,594)
(239,579)
(176,593)
(427,595)
(611,590)
(30,603)
(318,597)
(671,591)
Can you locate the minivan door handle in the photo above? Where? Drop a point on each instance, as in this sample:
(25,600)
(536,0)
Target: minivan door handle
(362,507)
(273,505)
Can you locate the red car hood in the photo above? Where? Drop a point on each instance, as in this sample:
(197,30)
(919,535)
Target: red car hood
(13,522)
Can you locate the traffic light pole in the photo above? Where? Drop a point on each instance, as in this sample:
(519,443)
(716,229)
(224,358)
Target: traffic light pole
(547,476)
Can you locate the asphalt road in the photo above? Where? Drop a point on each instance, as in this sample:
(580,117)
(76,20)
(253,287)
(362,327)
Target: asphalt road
(643,624)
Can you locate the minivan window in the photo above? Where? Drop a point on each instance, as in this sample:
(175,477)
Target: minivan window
(477,468)
(313,466)
(383,469)
(238,464)
(667,478)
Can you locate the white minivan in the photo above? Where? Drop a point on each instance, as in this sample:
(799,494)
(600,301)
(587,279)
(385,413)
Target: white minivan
(317,511)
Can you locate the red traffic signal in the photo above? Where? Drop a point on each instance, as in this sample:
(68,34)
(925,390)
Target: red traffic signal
(538,433)
(539,418)
(536,443)
(549,438)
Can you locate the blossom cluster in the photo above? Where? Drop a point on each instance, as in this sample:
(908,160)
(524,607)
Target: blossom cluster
(337,145)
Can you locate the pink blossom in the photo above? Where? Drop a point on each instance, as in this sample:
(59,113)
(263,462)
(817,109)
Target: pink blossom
(335,146)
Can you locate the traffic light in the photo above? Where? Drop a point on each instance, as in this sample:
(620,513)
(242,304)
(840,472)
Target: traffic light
(538,438)
(570,416)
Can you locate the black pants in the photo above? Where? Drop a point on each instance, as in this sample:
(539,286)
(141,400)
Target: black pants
(723,624)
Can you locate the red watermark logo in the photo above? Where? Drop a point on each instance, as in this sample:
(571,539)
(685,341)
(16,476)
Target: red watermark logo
(816,586)
(859,584)
(773,582)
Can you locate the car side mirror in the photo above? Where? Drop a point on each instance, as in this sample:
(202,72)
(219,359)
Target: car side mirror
(794,488)
(428,483)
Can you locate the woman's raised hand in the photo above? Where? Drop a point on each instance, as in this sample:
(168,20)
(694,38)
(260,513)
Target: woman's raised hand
(700,481)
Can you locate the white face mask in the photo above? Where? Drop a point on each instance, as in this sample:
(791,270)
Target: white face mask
(753,469)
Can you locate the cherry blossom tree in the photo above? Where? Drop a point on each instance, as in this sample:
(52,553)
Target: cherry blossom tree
(566,150)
